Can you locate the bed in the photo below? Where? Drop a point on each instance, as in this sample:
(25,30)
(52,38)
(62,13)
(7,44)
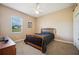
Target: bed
(41,40)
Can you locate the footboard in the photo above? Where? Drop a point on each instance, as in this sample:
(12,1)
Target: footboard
(36,41)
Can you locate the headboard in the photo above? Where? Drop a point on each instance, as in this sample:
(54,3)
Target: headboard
(51,30)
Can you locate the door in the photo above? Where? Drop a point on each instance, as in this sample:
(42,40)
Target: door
(76,30)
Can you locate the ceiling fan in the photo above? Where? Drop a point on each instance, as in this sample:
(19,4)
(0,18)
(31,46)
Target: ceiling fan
(37,9)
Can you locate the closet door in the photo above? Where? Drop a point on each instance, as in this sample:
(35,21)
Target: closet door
(76,30)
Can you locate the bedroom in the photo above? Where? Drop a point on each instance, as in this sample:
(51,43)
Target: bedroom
(52,15)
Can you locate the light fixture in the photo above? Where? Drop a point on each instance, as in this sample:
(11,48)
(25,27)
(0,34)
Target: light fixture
(37,12)
(36,8)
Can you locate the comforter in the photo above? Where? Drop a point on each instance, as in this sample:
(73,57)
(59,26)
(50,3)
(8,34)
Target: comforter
(45,40)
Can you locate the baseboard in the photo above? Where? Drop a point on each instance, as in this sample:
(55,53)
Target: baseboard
(19,40)
(55,40)
(63,41)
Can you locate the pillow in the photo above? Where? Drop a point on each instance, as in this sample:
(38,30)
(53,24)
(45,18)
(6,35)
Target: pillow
(45,32)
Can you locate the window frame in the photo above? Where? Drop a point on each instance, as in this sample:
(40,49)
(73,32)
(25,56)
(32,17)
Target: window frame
(21,24)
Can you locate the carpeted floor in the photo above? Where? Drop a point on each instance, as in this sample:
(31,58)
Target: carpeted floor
(25,49)
(54,48)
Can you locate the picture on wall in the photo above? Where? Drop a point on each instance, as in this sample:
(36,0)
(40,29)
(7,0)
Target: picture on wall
(16,24)
(29,24)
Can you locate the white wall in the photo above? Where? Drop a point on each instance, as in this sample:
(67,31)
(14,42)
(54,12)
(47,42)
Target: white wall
(5,23)
(61,20)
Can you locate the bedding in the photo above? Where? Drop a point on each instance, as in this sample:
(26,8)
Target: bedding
(41,39)
(48,37)
(34,40)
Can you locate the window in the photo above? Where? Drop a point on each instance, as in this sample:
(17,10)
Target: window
(16,22)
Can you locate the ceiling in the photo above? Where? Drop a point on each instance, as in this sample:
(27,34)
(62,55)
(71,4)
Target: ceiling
(45,8)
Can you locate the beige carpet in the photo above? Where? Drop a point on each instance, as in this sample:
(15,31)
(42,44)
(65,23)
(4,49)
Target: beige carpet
(60,48)
(25,49)
(54,48)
